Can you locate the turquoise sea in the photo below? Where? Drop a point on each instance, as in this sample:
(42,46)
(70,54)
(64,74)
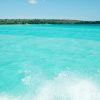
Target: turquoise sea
(49,62)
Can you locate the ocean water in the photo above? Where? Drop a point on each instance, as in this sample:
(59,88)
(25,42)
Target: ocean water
(49,62)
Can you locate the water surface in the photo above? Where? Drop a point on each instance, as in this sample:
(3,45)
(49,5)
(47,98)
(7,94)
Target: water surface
(49,62)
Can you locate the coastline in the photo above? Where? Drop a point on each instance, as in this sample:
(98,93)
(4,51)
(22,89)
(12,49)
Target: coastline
(45,21)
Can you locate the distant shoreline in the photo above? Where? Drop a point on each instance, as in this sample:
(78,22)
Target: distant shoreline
(45,21)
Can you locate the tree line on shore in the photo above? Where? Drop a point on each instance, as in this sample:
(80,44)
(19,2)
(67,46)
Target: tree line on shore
(45,21)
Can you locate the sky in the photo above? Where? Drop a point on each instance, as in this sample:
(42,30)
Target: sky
(51,9)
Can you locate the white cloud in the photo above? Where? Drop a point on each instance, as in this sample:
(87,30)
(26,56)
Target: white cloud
(32,1)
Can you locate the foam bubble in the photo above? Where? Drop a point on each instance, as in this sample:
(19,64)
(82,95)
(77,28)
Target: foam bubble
(7,97)
(69,88)
(65,86)
(27,80)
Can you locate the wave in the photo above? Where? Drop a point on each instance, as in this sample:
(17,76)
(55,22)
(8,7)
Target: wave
(65,86)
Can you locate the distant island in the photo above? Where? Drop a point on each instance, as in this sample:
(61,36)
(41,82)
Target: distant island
(45,21)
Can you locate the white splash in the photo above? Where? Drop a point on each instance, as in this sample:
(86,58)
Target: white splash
(68,88)
(7,97)
(65,86)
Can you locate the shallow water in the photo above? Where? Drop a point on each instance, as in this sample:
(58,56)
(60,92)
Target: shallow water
(50,62)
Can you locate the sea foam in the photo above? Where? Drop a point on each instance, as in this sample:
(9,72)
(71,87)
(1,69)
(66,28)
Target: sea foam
(65,86)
